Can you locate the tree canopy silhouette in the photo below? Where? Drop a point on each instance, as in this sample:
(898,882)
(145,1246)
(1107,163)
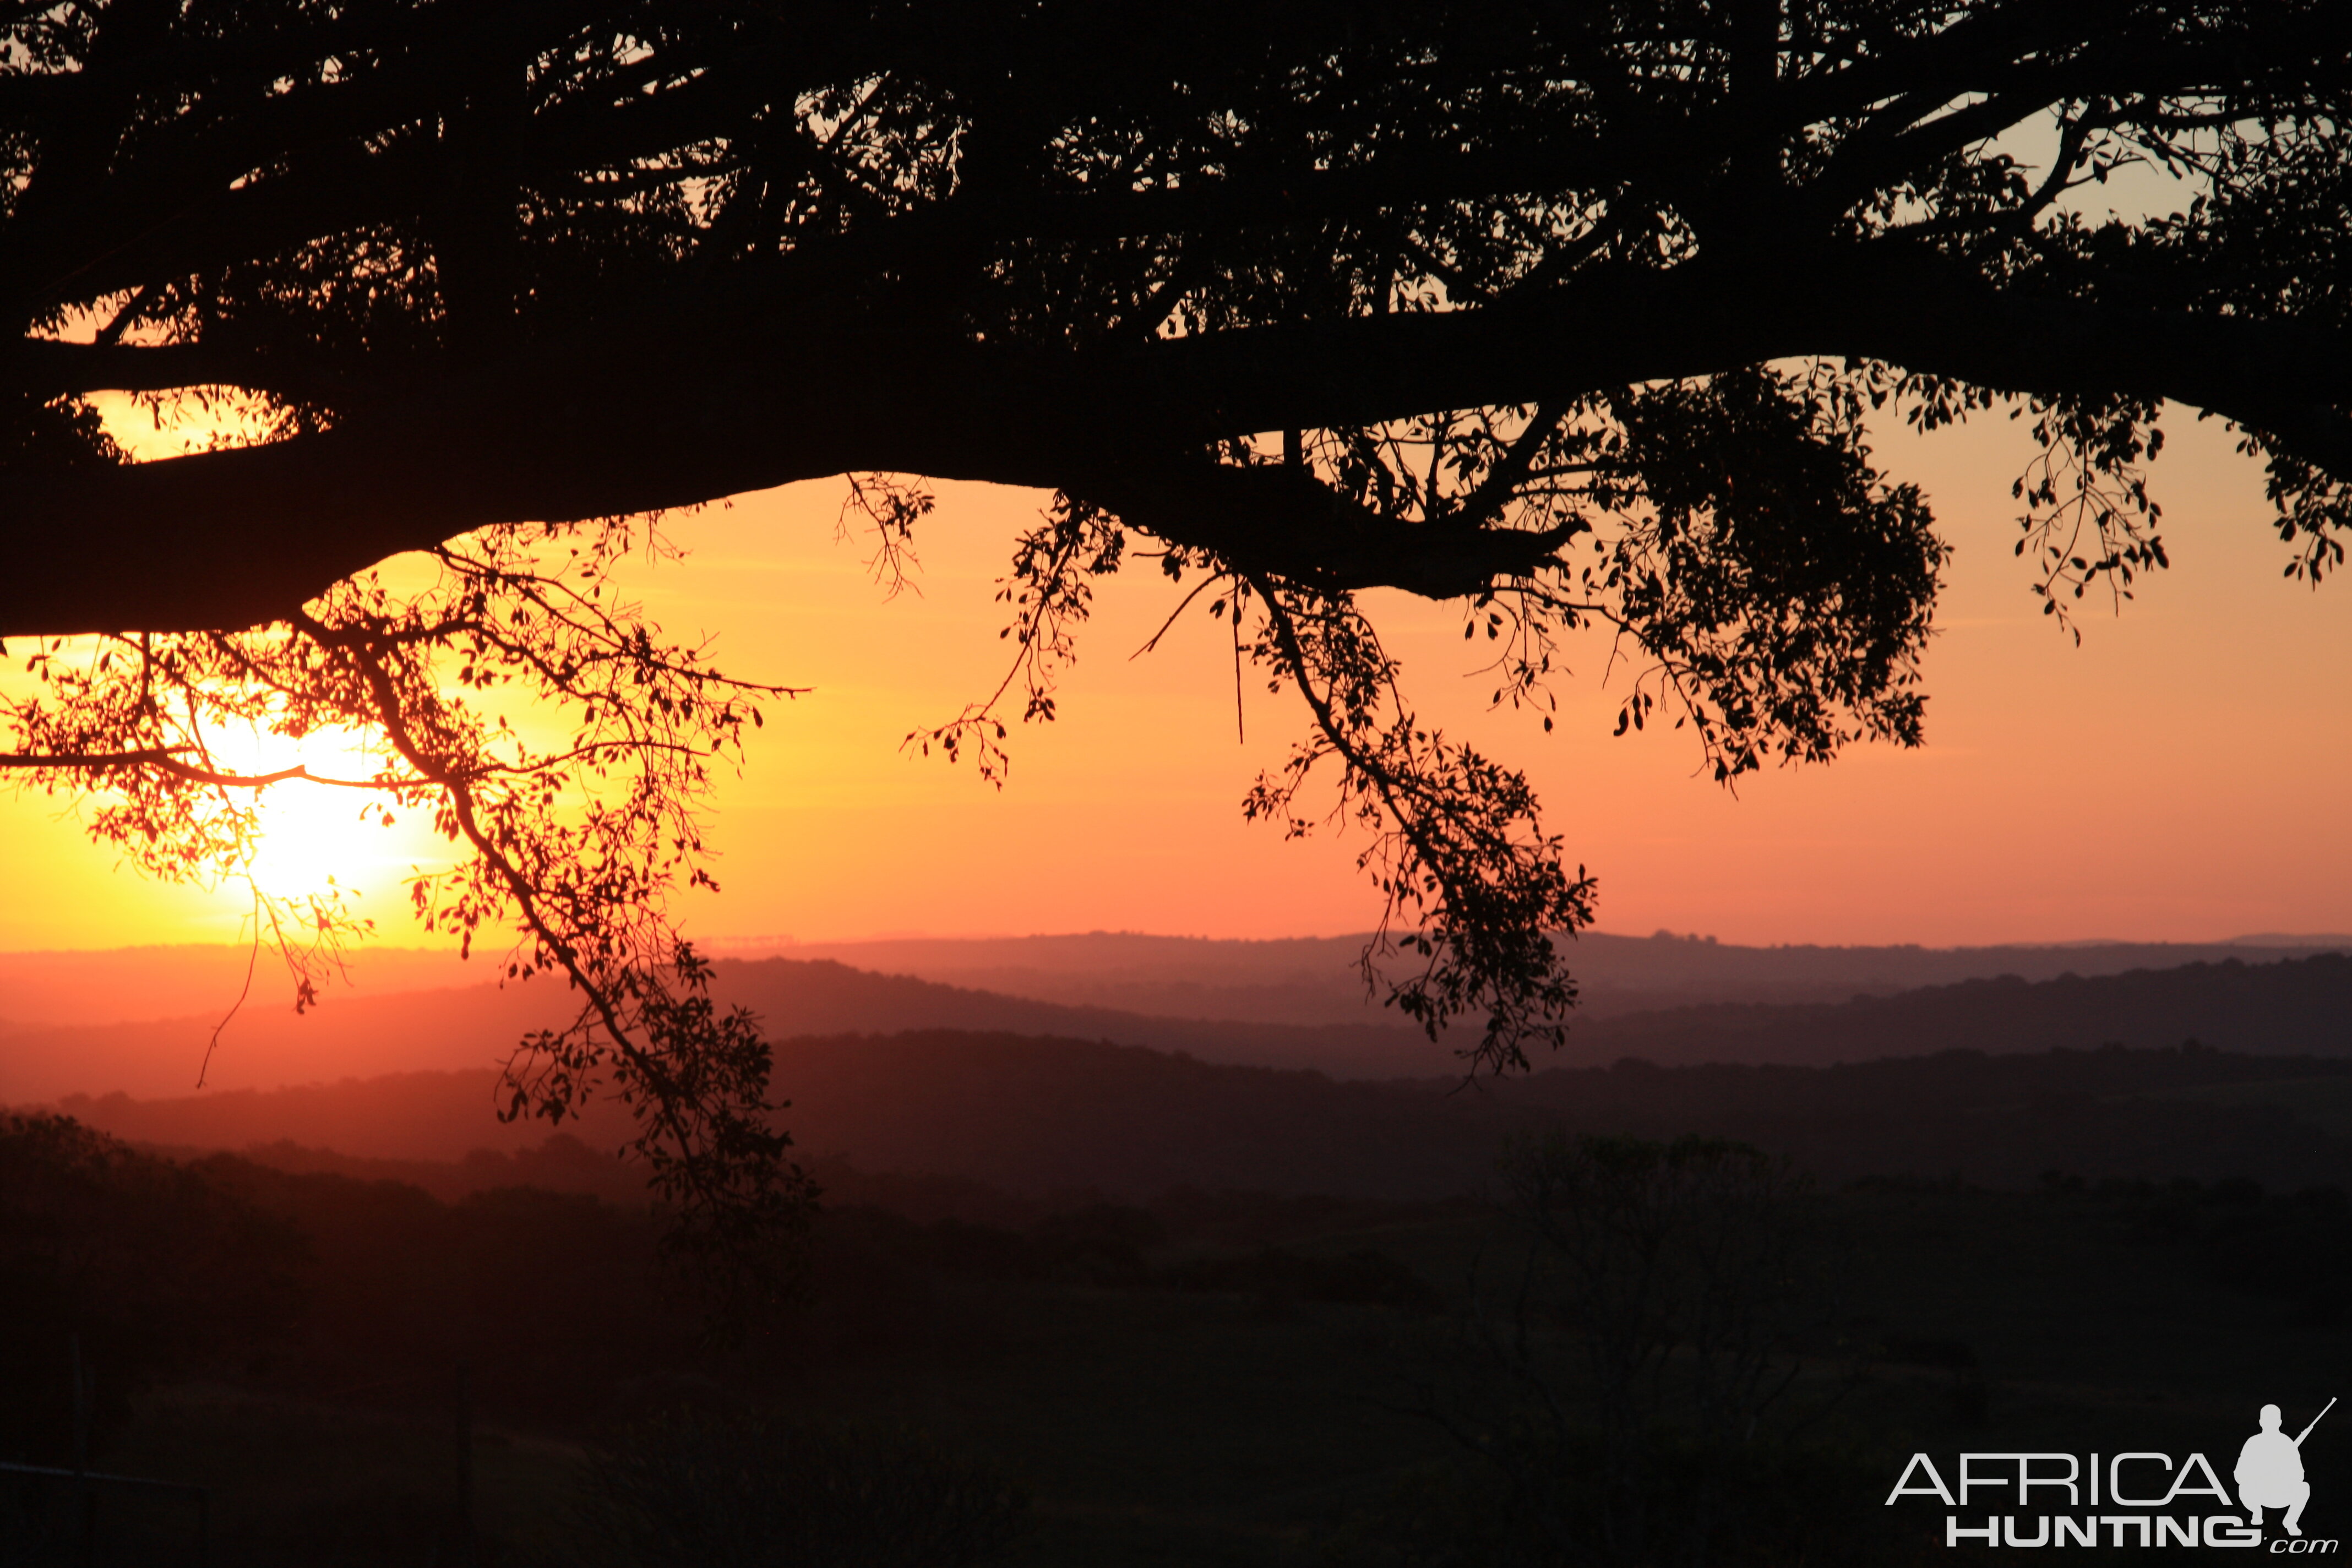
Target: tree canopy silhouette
(1571,313)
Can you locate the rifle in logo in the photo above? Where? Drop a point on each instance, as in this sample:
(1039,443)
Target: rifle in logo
(2270,1471)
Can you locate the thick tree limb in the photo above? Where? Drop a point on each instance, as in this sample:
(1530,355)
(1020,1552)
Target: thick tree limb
(234,537)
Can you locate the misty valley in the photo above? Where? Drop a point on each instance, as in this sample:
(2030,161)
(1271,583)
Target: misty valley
(1089,1286)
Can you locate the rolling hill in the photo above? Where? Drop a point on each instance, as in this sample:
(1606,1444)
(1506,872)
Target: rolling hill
(1044,1116)
(2293,1006)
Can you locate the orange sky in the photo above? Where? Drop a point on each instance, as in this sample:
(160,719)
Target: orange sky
(2181,775)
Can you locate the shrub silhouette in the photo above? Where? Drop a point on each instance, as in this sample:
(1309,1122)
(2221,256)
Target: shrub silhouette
(699,1490)
(155,1269)
(1278,1273)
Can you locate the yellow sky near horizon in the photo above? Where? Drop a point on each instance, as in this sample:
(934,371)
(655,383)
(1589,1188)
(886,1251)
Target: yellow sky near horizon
(2179,777)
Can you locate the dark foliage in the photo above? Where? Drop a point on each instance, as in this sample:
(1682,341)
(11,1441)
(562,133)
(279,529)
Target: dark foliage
(2295,1248)
(1625,1396)
(1164,1403)
(1112,1246)
(156,1270)
(1788,1508)
(552,1300)
(1278,1275)
(698,1490)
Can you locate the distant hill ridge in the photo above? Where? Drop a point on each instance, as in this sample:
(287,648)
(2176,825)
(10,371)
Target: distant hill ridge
(369,1035)
(1314,980)
(1301,981)
(1041,1116)
(2293,1005)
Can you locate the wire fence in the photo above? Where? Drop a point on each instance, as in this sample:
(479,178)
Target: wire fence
(89,1483)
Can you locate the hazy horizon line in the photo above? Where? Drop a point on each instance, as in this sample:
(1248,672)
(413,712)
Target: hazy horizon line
(731,945)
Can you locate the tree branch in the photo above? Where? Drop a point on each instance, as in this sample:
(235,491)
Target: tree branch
(166,760)
(239,537)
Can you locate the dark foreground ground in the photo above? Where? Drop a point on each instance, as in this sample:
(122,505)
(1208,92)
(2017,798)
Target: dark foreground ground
(1194,1379)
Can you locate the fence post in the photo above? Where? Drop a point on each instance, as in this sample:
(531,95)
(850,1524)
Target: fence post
(86,1548)
(466,1554)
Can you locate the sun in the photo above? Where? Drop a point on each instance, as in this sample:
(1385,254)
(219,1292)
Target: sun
(321,838)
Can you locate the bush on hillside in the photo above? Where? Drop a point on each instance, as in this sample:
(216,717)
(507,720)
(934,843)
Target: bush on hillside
(709,1489)
(154,1268)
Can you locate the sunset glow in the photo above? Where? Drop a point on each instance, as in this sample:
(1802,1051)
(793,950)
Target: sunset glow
(318,835)
(2172,778)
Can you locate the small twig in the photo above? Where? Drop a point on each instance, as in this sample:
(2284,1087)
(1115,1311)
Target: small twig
(166,759)
(252,957)
(1153,640)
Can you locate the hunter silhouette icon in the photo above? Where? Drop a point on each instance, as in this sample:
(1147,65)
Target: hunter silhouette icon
(2270,1471)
